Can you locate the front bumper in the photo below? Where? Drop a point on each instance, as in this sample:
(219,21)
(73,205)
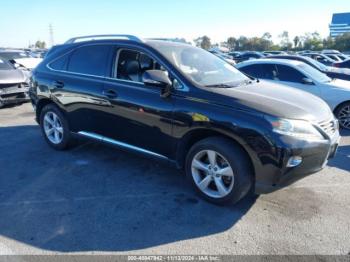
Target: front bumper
(14,94)
(314,154)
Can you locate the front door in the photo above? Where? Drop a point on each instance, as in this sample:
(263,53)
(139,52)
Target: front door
(138,115)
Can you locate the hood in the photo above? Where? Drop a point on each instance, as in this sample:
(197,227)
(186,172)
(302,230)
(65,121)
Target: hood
(278,100)
(29,63)
(336,70)
(338,83)
(12,76)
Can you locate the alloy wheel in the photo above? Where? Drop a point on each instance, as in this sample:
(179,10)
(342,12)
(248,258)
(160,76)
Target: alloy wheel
(344,117)
(53,127)
(212,173)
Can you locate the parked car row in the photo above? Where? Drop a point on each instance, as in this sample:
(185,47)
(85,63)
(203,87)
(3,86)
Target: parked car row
(327,57)
(309,78)
(15,70)
(231,133)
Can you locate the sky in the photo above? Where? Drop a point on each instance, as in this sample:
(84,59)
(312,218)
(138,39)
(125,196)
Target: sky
(22,22)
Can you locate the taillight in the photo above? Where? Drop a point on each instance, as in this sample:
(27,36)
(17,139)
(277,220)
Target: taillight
(335,65)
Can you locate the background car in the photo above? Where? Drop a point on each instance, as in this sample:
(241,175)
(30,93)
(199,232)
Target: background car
(248,55)
(274,53)
(302,76)
(343,64)
(20,58)
(332,72)
(226,58)
(14,84)
(320,58)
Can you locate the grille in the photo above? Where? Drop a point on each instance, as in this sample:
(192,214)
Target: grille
(8,85)
(329,127)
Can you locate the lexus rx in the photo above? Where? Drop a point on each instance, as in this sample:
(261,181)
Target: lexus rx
(182,104)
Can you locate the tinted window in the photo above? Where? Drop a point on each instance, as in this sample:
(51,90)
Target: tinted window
(133,64)
(263,71)
(289,74)
(60,63)
(91,60)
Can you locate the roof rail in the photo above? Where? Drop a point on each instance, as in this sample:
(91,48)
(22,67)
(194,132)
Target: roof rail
(93,37)
(176,40)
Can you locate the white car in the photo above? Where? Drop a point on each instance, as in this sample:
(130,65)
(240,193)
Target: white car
(299,75)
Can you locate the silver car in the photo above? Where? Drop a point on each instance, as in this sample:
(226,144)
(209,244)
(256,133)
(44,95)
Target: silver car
(14,84)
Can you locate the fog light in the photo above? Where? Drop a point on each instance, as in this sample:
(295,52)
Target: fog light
(294,161)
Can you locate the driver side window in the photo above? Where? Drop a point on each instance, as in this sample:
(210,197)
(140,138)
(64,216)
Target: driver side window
(130,65)
(289,74)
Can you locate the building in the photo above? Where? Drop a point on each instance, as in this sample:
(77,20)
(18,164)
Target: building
(340,24)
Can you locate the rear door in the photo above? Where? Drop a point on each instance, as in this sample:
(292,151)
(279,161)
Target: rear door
(77,85)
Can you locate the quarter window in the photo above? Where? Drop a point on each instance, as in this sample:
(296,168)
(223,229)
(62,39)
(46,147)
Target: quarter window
(60,63)
(91,60)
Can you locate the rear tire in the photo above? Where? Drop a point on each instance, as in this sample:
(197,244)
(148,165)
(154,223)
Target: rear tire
(343,115)
(54,127)
(219,170)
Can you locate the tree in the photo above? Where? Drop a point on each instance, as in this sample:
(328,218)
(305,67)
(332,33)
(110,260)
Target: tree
(285,42)
(342,42)
(313,41)
(203,42)
(232,43)
(267,36)
(40,44)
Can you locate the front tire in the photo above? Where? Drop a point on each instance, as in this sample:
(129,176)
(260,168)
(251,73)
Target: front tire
(219,170)
(343,115)
(54,127)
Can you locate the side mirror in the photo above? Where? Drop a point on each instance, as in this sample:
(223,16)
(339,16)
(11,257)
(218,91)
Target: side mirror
(158,78)
(307,81)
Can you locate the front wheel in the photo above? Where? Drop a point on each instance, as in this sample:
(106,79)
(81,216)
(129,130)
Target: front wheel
(343,115)
(219,170)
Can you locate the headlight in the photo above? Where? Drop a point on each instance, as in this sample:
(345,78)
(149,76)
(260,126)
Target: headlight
(296,128)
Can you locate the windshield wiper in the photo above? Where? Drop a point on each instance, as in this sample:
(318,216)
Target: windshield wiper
(220,85)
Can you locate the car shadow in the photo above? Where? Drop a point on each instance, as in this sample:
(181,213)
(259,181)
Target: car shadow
(97,198)
(342,160)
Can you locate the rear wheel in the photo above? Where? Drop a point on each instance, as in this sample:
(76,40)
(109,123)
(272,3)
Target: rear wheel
(343,115)
(54,127)
(219,170)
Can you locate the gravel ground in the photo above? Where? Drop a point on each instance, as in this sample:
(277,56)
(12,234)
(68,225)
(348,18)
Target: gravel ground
(95,199)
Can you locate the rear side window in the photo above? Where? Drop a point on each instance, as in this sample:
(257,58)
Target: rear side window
(289,74)
(91,60)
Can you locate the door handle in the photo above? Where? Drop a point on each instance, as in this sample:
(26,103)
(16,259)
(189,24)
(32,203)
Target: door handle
(110,93)
(58,84)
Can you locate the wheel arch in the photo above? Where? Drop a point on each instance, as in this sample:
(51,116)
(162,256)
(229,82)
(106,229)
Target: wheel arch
(194,136)
(41,104)
(340,105)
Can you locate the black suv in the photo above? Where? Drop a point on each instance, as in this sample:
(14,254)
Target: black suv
(179,103)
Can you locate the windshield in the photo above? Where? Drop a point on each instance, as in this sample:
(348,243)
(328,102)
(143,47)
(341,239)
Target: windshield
(4,65)
(314,73)
(200,66)
(319,65)
(13,55)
